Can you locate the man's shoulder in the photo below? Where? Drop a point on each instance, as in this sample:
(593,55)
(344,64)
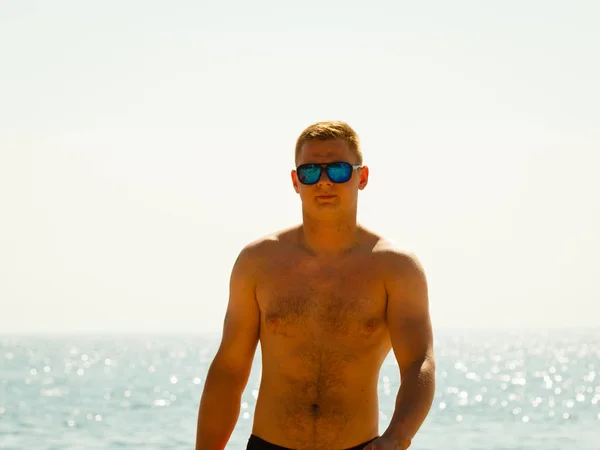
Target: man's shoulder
(266,244)
(395,257)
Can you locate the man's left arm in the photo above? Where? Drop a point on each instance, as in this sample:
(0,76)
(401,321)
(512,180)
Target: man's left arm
(411,334)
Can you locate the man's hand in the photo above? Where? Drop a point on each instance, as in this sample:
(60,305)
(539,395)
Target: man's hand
(386,443)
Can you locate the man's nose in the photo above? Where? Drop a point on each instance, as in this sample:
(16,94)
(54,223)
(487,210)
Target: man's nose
(324,178)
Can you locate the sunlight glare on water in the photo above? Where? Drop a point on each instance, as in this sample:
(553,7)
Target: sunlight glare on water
(495,390)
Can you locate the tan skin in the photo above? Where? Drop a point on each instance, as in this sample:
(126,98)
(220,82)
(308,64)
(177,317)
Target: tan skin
(327,300)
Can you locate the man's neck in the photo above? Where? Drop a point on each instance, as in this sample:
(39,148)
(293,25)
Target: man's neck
(330,236)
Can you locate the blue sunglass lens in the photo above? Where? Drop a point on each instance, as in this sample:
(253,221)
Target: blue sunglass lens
(339,172)
(309,174)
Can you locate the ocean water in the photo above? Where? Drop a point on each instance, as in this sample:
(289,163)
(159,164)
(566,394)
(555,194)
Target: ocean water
(495,390)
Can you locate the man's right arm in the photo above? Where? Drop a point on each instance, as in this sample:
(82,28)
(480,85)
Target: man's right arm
(229,371)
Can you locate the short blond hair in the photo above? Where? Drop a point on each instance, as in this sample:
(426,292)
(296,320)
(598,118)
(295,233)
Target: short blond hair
(330,130)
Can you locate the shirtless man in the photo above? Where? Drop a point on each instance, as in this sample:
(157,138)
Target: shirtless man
(327,300)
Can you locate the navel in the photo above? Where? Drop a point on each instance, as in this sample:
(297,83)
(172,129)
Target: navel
(315,410)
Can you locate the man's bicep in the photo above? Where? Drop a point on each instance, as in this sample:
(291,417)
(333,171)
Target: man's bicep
(408,313)
(241,324)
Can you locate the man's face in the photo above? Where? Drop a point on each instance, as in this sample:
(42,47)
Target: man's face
(325,196)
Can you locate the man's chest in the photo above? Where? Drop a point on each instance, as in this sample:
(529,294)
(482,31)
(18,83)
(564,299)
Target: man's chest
(331,301)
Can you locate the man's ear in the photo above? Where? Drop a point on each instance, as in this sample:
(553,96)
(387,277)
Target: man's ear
(364,177)
(295,181)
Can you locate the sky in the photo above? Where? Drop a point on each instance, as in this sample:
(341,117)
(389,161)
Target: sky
(143,144)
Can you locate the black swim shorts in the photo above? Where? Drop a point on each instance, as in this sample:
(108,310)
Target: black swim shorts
(256,443)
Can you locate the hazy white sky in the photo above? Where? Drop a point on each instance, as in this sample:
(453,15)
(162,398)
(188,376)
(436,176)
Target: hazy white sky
(144,143)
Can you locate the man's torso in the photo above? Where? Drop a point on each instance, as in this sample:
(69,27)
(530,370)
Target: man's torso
(323,337)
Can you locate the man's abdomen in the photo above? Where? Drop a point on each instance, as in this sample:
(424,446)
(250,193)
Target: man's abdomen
(317,405)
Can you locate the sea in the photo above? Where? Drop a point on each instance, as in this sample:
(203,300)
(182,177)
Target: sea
(496,390)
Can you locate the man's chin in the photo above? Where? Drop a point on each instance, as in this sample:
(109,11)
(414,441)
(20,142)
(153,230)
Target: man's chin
(328,210)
